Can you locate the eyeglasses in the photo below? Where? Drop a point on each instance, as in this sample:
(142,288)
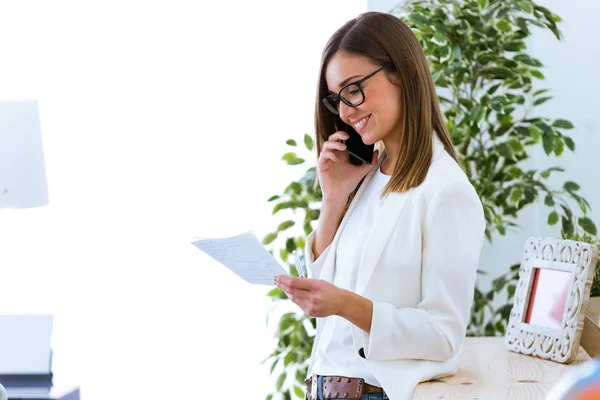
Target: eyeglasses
(351,94)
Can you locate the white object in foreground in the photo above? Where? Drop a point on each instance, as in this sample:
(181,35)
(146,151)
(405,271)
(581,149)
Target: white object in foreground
(2,393)
(25,344)
(22,169)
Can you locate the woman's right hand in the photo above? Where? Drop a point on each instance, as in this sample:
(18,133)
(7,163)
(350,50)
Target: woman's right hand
(337,176)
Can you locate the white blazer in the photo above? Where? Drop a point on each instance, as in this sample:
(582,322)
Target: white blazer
(418,266)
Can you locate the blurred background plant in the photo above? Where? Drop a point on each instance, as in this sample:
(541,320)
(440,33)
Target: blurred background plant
(487,86)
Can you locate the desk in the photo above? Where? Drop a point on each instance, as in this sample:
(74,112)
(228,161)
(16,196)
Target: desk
(488,370)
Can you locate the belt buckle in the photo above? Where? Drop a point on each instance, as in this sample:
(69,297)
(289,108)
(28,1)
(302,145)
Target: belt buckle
(313,387)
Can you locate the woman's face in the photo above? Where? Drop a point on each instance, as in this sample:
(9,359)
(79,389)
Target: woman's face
(378,117)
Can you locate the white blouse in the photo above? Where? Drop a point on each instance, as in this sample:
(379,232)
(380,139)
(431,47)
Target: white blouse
(335,353)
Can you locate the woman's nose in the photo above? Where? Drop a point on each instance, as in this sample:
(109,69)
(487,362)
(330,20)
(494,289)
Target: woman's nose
(345,111)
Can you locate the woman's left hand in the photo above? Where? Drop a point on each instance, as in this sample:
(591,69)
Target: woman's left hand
(316,297)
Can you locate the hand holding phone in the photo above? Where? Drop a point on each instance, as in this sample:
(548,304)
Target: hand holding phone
(343,163)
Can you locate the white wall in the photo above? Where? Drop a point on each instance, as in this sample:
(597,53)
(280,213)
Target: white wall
(160,121)
(571,70)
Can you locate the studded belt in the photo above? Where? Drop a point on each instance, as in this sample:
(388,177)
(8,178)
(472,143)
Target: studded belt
(339,387)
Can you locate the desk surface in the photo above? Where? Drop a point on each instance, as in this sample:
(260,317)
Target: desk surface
(488,370)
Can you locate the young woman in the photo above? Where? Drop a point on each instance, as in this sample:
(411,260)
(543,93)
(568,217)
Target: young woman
(394,256)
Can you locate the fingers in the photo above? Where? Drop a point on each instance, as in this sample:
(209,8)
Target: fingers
(326,155)
(296,288)
(334,146)
(294,293)
(306,306)
(339,135)
(294,282)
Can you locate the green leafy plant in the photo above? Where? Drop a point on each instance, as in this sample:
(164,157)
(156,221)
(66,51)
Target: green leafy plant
(485,80)
(477,55)
(295,331)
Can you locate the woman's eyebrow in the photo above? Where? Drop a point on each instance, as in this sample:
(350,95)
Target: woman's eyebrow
(345,81)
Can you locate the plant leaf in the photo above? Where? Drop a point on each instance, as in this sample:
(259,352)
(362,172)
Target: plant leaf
(511,291)
(571,186)
(268,239)
(514,171)
(308,142)
(418,19)
(516,194)
(588,225)
(567,226)
(537,74)
(292,159)
(525,6)
(541,100)
(563,124)
(285,225)
(569,142)
(291,142)
(288,358)
(445,53)
(548,141)
(275,292)
(559,146)
(439,39)
(299,392)
(504,25)
(552,218)
(280,380)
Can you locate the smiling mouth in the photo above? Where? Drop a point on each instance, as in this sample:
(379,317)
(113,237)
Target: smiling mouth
(361,124)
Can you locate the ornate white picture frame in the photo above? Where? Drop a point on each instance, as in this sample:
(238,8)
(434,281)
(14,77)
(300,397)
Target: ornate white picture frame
(551,296)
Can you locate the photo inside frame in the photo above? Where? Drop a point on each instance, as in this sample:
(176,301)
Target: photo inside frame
(549,293)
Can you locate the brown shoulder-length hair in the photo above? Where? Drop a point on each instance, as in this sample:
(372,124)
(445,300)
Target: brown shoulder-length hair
(383,38)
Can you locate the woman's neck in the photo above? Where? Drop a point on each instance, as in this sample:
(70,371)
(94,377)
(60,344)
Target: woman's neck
(392,147)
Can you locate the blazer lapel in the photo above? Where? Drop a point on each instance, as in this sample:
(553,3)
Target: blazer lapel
(380,234)
(329,265)
(382,229)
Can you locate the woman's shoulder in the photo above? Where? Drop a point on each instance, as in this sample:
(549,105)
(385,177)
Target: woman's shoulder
(445,176)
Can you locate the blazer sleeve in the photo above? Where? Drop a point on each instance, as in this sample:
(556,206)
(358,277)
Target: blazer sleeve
(452,238)
(314,267)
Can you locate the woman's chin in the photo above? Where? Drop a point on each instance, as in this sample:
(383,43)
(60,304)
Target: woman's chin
(366,139)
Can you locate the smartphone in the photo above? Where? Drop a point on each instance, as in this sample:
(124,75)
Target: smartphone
(359,153)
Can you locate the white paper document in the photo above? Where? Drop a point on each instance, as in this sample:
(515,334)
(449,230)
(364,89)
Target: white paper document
(245,255)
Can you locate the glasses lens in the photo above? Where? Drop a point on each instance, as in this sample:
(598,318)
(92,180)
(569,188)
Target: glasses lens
(331,104)
(352,95)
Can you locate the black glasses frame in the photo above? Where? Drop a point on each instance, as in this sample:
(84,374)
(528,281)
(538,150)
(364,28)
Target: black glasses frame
(336,99)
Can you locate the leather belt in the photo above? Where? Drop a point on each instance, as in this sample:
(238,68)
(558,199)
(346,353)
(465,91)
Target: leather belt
(341,387)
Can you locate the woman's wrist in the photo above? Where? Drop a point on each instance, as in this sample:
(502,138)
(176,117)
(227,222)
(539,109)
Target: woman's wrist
(355,308)
(342,302)
(335,202)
